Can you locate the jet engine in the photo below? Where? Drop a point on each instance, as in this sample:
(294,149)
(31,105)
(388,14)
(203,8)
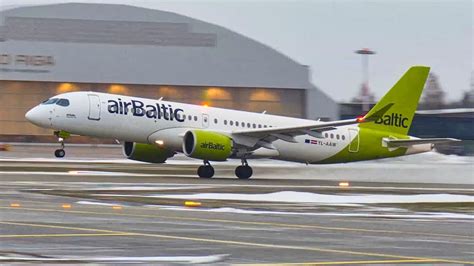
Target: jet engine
(146,152)
(207,145)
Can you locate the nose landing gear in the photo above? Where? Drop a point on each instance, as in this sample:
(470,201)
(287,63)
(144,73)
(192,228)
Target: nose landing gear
(60,153)
(206,170)
(243,171)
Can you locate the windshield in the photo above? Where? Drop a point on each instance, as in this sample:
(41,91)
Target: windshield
(63,102)
(50,101)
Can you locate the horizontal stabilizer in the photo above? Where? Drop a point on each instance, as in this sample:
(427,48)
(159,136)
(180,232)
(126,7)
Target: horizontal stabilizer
(395,143)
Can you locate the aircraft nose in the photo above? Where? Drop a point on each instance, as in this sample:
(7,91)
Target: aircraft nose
(33,115)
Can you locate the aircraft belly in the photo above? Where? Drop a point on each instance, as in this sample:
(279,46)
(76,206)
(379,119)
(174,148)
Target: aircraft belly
(305,151)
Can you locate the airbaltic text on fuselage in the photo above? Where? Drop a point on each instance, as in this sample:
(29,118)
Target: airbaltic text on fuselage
(396,120)
(138,108)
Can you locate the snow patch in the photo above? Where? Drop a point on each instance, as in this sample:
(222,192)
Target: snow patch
(428,216)
(306,197)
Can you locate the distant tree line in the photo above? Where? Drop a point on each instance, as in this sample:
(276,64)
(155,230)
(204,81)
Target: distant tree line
(434,97)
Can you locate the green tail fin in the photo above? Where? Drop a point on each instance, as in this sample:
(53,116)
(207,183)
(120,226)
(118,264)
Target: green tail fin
(395,111)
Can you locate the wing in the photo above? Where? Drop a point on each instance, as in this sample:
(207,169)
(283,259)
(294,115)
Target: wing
(263,137)
(396,143)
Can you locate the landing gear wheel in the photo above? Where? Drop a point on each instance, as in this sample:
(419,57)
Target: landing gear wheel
(59,153)
(205,171)
(243,171)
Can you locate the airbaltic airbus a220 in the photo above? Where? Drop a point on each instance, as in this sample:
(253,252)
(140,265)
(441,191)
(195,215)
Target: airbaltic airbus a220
(155,130)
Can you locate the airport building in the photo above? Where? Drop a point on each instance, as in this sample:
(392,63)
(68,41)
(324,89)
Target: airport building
(52,49)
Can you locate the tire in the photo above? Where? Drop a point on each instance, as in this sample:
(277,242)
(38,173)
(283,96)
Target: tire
(59,153)
(243,171)
(205,171)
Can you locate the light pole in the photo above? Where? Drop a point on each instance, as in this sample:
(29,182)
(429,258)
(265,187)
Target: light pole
(365,91)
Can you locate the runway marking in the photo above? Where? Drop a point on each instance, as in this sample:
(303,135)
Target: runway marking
(341,262)
(299,226)
(239,243)
(62,235)
(469,190)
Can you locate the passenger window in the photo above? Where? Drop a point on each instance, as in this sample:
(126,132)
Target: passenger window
(248,125)
(190,117)
(231,122)
(337,136)
(332,136)
(259,126)
(215,120)
(264,126)
(225,122)
(195,118)
(254,126)
(343,137)
(326,135)
(243,124)
(237,123)
(63,102)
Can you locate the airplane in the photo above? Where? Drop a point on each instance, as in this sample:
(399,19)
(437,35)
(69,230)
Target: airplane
(154,130)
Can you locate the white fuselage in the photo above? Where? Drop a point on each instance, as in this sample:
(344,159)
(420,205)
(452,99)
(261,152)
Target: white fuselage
(137,119)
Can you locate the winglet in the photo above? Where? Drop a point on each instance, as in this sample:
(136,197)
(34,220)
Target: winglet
(377,114)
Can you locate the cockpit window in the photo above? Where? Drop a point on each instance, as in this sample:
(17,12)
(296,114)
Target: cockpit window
(50,101)
(63,102)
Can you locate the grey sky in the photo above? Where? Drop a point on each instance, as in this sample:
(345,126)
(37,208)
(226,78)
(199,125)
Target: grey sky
(324,35)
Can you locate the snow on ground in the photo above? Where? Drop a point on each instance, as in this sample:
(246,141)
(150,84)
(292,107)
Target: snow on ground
(306,197)
(120,260)
(401,214)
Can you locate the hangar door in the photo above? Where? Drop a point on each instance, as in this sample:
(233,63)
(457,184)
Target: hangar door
(94,107)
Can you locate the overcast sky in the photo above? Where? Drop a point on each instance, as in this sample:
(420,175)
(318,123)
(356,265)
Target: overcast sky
(325,34)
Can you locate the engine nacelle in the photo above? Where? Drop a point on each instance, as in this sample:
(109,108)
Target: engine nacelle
(146,152)
(207,145)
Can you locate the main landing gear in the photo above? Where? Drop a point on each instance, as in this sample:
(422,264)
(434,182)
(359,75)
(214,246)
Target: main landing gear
(206,170)
(59,153)
(243,171)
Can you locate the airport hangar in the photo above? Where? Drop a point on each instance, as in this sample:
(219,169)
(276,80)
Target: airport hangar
(52,49)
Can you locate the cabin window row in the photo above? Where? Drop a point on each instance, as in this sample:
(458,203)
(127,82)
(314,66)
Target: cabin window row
(241,124)
(332,136)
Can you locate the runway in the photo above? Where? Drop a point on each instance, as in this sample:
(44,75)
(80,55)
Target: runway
(92,211)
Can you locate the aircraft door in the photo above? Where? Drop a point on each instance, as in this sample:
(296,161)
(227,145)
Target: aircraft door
(205,120)
(354,137)
(94,107)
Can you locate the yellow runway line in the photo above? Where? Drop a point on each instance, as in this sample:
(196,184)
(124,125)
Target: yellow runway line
(241,243)
(297,226)
(61,235)
(341,262)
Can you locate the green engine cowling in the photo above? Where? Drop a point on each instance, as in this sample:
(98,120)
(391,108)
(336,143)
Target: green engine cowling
(207,145)
(146,152)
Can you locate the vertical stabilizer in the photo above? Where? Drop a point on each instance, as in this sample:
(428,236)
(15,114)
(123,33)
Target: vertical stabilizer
(395,111)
